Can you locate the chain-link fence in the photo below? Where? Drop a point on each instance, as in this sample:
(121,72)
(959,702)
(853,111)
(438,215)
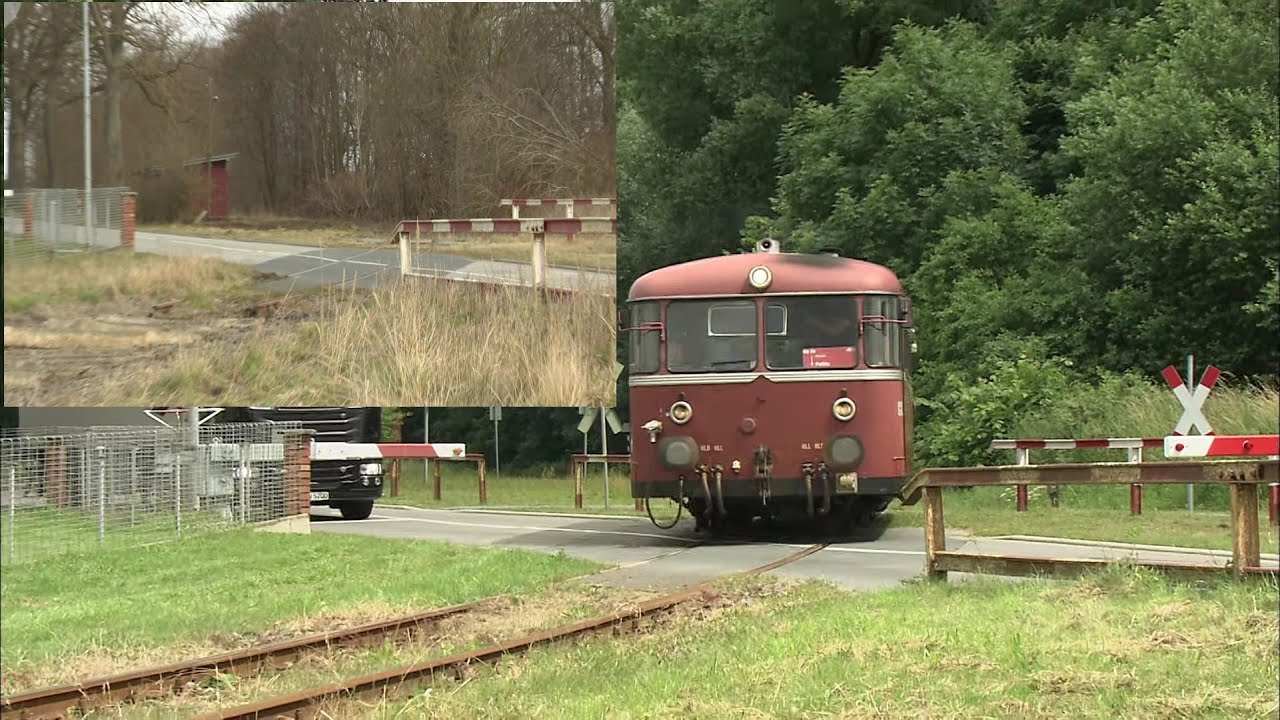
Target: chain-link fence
(39,222)
(118,486)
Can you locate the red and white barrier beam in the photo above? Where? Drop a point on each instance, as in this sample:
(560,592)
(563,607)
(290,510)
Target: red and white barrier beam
(527,202)
(1088,444)
(501,226)
(387,451)
(569,204)
(1186,446)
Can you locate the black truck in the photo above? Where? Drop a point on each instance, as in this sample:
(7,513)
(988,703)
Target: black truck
(346,468)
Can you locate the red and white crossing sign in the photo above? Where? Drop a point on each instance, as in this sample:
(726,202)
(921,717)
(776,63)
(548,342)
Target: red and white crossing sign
(1192,416)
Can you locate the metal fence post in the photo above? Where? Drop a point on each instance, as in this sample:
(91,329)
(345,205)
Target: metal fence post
(177,495)
(102,495)
(242,479)
(13,510)
(133,487)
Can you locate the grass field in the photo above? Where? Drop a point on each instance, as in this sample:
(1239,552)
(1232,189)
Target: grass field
(1097,513)
(111,610)
(81,330)
(1122,644)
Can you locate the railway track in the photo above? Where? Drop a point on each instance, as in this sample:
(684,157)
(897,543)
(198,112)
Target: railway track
(159,681)
(80,698)
(305,705)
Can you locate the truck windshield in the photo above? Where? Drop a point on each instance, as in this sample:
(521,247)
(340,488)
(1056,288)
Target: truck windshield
(711,336)
(811,332)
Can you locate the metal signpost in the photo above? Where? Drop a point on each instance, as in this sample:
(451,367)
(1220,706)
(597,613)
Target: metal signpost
(495,414)
(609,420)
(1192,402)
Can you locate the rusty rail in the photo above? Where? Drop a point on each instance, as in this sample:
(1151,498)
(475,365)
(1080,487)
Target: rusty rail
(1242,477)
(580,462)
(84,696)
(377,686)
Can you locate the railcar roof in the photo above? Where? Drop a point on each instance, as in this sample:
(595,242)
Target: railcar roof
(792,273)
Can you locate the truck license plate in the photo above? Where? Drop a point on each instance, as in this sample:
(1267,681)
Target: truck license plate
(319,496)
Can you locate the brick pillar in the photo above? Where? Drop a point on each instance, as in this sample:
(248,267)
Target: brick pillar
(297,473)
(29,218)
(128,218)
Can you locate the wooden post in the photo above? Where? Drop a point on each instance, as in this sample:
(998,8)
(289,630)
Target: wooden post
(435,478)
(577,483)
(935,537)
(1273,503)
(484,484)
(1245,551)
(1135,499)
(395,477)
(1022,498)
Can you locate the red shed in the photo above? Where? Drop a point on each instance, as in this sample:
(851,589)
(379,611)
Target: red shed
(214,168)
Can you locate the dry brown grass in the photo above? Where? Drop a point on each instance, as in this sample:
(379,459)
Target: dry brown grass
(418,342)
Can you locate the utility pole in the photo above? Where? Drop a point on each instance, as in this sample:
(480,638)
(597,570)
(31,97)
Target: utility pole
(88,136)
(209,151)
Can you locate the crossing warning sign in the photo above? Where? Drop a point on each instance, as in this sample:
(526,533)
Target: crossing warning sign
(1192,402)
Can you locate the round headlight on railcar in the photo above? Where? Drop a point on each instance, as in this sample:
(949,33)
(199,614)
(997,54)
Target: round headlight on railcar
(843,452)
(760,277)
(844,409)
(678,453)
(680,412)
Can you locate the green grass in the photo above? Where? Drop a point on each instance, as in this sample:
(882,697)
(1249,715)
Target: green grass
(192,592)
(1122,644)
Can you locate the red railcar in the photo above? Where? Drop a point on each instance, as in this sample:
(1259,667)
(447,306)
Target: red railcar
(771,384)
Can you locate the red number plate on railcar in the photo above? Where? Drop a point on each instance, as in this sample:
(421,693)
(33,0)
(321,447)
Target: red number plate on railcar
(828,357)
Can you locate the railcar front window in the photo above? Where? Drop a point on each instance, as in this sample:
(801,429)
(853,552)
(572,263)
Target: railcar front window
(711,336)
(644,340)
(812,332)
(884,320)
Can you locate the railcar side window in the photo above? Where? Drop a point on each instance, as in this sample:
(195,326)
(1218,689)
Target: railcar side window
(883,316)
(644,341)
(711,336)
(819,332)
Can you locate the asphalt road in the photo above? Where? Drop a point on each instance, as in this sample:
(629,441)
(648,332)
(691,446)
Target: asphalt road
(648,558)
(301,266)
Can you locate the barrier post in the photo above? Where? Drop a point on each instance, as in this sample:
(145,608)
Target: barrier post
(395,477)
(484,484)
(577,482)
(1245,551)
(935,537)
(1135,490)
(1024,458)
(435,478)
(1273,503)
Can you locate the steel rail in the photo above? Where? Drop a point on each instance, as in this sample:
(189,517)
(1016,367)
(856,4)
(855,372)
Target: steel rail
(81,697)
(373,686)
